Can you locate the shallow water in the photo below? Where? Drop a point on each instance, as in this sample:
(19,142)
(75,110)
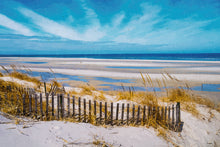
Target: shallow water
(207,87)
(110,80)
(34,62)
(47,76)
(135,67)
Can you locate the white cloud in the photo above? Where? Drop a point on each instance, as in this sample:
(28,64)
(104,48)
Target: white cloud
(60,30)
(13,25)
(175,32)
(95,30)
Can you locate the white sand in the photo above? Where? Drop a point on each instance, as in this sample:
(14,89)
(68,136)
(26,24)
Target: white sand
(97,73)
(57,133)
(196,132)
(21,82)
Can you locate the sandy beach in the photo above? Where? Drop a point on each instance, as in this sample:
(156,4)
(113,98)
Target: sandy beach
(120,71)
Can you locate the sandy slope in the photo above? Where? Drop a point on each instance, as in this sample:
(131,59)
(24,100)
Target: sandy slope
(201,132)
(57,133)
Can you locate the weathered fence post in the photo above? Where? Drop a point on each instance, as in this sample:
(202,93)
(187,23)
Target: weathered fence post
(18,104)
(41,106)
(172,115)
(84,103)
(144,115)
(133,111)
(53,105)
(47,103)
(106,107)
(127,114)
(149,113)
(165,114)
(158,113)
(117,112)
(30,104)
(100,114)
(24,110)
(79,107)
(58,106)
(111,113)
(138,115)
(73,107)
(122,114)
(62,105)
(68,105)
(6,99)
(90,109)
(169,116)
(178,117)
(162,113)
(95,111)
(35,96)
(154,112)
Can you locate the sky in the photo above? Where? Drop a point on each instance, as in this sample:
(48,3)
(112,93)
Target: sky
(109,26)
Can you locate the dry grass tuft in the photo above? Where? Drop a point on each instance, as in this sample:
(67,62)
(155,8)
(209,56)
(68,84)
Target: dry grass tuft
(99,96)
(87,89)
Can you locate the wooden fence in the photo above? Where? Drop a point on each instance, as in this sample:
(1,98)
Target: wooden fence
(58,106)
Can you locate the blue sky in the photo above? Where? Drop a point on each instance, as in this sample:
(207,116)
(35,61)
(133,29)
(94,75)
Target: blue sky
(109,26)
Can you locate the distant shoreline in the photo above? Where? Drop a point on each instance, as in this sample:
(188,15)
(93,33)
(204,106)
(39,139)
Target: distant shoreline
(150,56)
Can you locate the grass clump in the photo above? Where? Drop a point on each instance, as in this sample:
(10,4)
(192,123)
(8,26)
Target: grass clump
(87,89)
(25,77)
(99,96)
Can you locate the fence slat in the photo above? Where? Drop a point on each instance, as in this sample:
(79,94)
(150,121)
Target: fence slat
(144,115)
(95,111)
(169,115)
(158,113)
(79,108)
(149,112)
(154,112)
(30,104)
(106,107)
(35,96)
(138,115)
(165,114)
(111,113)
(6,99)
(122,114)
(100,113)
(128,114)
(162,113)
(41,106)
(172,115)
(178,116)
(24,111)
(84,103)
(73,107)
(133,111)
(62,105)
(18,103)
(68,105)
(53,105)
(90,109)
(47,101)
(58,106)
(117,111)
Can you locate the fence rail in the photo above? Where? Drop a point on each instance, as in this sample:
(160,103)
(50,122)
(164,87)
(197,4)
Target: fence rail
(58,107)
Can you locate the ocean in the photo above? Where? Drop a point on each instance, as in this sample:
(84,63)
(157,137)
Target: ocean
(165,56)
